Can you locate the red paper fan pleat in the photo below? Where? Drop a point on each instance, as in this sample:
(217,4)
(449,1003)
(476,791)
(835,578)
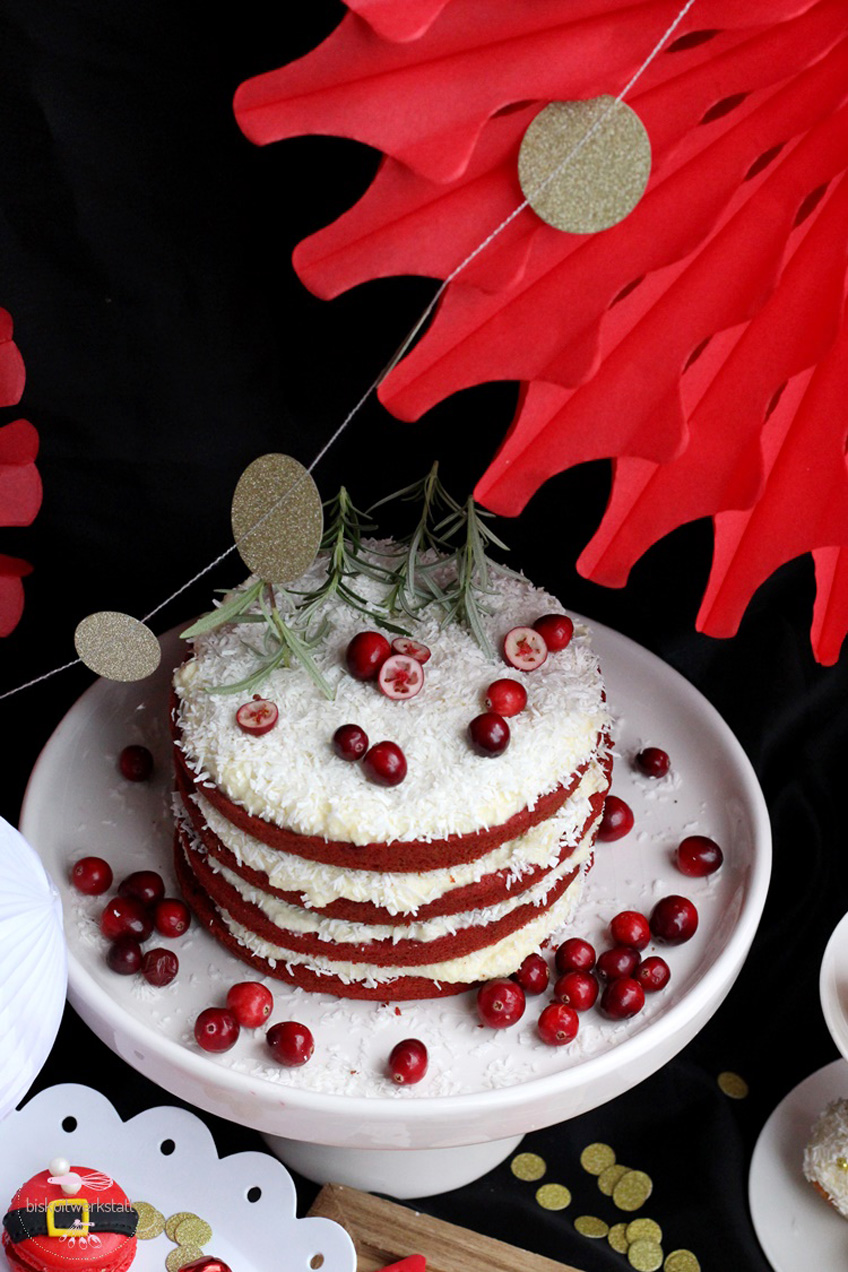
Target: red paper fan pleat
(398,21)
(12,571)
(830,613)
(20,484)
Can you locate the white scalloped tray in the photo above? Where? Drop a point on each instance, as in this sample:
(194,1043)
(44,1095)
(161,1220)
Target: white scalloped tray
(167,1157)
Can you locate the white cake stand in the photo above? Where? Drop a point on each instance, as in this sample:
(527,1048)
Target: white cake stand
(338,1117)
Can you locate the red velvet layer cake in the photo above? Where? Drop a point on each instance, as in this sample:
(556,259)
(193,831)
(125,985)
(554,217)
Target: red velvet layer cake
(312,872)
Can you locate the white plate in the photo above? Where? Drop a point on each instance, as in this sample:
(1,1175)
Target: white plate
(482,1084)
(833,986)
(796,1228)
(167,1157)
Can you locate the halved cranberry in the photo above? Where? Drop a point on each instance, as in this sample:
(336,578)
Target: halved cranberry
(506,697)
(257,716)
(629,927)
(125,916)
(159,967)
(674,920)
(146,886)
(489,734)
(652,762)
(407,1062)
(524,648)
(291,1043)
(366,654)
(533,974)
(171,917)
(135,763)
(500,1003)
(558,1024)
(652,974)
(401,677)
(411,648)
(124,955)
(91,876)
(697,856)
(216,1029)
(578,989)
(350,742)
(251,1003)
(617,819)
(385,764)
(575,955)
(557,630)
(622,998)
(619,961)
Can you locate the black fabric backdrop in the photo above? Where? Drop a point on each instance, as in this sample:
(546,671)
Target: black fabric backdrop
(145,258)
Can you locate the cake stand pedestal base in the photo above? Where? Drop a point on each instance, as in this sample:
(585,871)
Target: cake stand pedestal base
(400,1173)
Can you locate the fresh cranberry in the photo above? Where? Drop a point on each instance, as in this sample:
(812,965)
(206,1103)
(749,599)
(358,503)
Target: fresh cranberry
(558,1024)
(401,677)
(622,998)
(617,819)
(171,917)
(619,961)
(577,989)
(159,967)
(125,916)
(135,763)
(146,886)
(674,920)
(489,734)
(411,648)
(92,876)
(500,1003)
(350,742)
(697,856)
(524,648)
(652,762)
(257,717)
(533,974)
(216,1029)
(291,1043)
(506,697)
(652,974)
(575,955)
(251,1003)
(366,654)
(557,630)
(124,955)
(385,764)
(629,927)
(407,1062)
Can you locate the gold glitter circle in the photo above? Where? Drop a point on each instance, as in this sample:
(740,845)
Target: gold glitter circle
(732,1085)
(181,1255)
(644,1230)
(590,1226)
(117,646)
(277,518)
(192,1231)
(553,1196)
(599,183)
(632,1190)
(842,1163)
(681,1261)
(645,1255)
(173,1222)
(596,1158)
(617,1237)
(608,1178)
(151,1222)
(528,1166)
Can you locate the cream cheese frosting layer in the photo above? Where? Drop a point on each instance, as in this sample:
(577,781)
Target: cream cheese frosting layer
(290,776)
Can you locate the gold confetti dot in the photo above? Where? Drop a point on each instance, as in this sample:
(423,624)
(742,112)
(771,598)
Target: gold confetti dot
(192,1231)
(732,1085)
(632,1190)
(528,1166)
(151,1222)
(617,1237)
(181,1255)
(645,1256)
(596,1158)
(842,1163)
(173,1222)
(644,1230)
(598,185)
(608,1178)
(681,1261)
(590,1226)
(553,1196)
(117,646)
(277,518)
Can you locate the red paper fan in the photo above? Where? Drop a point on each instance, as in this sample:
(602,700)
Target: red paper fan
(694,342)
(20,484)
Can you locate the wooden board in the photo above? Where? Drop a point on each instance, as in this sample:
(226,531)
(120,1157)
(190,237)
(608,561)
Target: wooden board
(383,1232)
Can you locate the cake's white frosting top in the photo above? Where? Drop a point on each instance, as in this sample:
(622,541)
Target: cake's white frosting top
(291,776)
(826,1154)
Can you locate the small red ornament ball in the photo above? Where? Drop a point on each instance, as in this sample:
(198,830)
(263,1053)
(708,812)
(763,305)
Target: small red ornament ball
(617,819)
(407,1062)
(290,1043)
(216,1029)
(92,876)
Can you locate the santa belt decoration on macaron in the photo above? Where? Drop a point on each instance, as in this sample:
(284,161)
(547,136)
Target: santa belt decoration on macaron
(76,1218)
